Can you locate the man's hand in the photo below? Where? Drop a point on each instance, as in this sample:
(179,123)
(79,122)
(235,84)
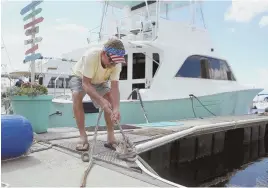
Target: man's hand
(116,116)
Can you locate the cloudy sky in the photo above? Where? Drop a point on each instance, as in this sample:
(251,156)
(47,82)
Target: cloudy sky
(239,30)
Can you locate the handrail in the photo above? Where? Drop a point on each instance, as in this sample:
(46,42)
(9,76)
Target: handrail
(64,83)
(119,25)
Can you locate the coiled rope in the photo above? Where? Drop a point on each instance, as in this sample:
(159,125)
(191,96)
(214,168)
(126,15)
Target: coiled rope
(125,151)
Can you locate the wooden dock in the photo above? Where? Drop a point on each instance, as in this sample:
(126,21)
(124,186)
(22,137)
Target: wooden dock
(166,149)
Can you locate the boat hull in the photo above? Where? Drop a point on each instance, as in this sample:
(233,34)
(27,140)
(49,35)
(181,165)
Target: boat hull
(221,104)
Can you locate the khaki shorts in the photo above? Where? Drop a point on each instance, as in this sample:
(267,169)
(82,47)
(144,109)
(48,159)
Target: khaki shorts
(75,84)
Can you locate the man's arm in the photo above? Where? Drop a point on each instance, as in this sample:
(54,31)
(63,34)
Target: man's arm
(115,95)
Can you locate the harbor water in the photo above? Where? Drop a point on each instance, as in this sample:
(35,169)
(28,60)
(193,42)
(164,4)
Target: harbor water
(251,175)
(245,167)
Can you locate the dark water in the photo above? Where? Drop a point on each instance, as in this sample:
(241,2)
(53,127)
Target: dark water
(253,170)
(245,167)
(251,175)
(238,165)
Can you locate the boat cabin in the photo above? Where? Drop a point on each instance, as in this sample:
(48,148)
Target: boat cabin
(163,55)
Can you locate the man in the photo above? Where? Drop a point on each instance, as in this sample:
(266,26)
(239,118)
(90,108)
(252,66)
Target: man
(91,75)
(19,82)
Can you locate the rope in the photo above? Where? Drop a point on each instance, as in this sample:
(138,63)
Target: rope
(125,151)
(142,106)
(193,106)
(191,95)
(88,157)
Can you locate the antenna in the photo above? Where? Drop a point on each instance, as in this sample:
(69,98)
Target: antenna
(4,47)
(102,18)
(202,15)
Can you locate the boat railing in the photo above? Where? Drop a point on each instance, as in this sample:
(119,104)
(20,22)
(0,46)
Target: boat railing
(134,27)
(61,75)
(140,27)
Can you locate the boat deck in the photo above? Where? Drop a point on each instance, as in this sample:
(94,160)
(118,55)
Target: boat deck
(53,160)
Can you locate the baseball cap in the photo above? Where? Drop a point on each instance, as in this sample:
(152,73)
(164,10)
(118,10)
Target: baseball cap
(115,50)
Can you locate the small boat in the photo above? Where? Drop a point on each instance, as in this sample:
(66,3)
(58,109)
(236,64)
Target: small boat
(260,103)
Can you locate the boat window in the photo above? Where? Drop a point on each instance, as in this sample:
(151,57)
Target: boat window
(138,66)
(40,80)
(204,64)
(195,67)
(123,74)
(60,83)
(139,86)
(191,68)
(155,65)
(219,70)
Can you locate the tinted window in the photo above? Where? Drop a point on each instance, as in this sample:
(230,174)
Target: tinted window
(123,74)
(155,65)
(138,71)
(190,68)
(218,69)
(215,69)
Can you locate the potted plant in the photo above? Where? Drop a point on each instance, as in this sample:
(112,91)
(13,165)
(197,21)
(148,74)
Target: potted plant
(32,102)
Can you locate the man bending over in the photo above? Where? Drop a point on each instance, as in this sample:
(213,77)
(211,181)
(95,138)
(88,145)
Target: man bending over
(91,75)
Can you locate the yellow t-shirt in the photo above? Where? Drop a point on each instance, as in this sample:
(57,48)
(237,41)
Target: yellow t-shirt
(90,66)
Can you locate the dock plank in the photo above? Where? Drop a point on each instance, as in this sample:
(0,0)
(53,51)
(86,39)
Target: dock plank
(53,168)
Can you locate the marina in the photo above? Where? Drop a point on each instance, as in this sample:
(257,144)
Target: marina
(185,119)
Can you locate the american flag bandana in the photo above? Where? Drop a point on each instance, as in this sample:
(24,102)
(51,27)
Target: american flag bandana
(116,55)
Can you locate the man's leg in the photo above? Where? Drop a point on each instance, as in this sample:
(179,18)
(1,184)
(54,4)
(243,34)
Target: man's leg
(78,110)
(80,120)
(104,90)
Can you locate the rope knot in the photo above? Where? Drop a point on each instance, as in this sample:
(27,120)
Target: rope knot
(126,150)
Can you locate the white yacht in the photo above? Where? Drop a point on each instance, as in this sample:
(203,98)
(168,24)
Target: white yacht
(174,64)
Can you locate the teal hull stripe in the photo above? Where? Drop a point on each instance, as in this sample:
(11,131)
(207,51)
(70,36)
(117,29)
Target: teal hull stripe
(222,104)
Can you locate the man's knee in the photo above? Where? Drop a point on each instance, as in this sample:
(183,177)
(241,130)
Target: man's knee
(77,97)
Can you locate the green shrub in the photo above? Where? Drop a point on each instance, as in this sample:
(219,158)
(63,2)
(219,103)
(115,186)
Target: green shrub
(28,89)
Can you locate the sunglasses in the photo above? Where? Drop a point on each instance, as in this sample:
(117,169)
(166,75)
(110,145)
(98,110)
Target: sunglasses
(110,59)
